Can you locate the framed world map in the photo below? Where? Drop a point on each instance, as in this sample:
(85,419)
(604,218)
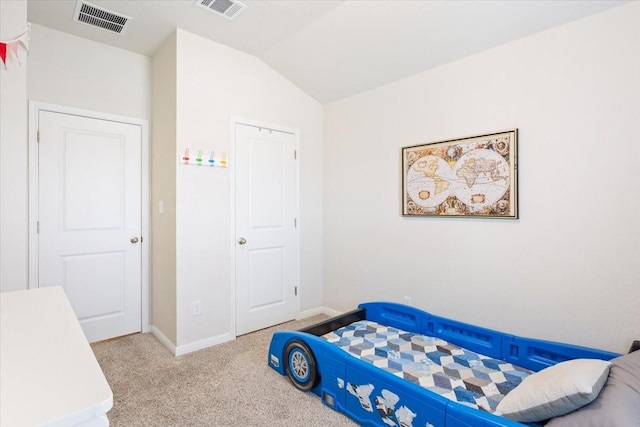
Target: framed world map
(465,177)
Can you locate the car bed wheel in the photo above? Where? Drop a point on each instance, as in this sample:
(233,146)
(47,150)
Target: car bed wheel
(300,365)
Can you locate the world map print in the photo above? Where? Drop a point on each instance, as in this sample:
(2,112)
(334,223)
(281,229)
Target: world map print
(465,177)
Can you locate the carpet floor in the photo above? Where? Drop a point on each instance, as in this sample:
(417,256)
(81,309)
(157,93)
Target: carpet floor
(226,385)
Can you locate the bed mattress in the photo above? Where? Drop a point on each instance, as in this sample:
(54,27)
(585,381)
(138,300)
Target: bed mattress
(456,373)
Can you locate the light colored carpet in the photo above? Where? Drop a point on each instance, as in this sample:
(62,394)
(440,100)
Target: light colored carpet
(226,385)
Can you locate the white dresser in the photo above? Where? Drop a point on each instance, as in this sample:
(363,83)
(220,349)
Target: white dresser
(48,373)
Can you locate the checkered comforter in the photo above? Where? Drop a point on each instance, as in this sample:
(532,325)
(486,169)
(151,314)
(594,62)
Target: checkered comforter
(451,371)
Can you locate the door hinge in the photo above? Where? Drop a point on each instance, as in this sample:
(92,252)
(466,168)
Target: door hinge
(37,227)
(295,154)
(295,222)
(295,292)
(38,136)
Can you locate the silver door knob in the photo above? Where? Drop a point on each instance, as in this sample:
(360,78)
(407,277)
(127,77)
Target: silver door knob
(242,241)
(134,240)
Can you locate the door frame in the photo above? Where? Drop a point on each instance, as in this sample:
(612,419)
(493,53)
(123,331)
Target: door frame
(34,109)
(232,205)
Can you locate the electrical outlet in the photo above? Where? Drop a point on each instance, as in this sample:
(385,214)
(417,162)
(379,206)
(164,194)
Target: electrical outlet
(407,300)
(197,308)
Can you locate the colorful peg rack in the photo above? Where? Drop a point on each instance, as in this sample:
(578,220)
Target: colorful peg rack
(212,162)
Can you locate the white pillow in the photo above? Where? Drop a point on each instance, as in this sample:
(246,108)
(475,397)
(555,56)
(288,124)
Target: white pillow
(555,391)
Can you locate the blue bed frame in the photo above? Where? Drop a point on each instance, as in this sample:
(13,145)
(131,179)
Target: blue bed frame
(332,368)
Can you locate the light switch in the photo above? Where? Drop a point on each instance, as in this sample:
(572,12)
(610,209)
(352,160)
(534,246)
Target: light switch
(161,206)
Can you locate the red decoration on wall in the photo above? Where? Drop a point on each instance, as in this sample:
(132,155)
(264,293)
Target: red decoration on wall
(3,54)
(12,47)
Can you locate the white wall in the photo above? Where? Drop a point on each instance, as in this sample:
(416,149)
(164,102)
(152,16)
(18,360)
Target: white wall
(76,72)
(163,189)
(60,69)
(569,268)
(214,84)
(13,155)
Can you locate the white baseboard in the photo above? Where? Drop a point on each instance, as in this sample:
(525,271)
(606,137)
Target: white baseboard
(319,310)
(191,347)
(163,339)
(205,343)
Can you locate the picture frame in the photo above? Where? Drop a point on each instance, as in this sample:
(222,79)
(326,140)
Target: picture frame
(475,176)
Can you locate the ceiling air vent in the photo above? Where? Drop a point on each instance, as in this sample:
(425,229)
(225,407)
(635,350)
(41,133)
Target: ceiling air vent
(96,16)
(227,8)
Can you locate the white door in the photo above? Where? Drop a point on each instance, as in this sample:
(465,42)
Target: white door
(89,219)
(266,238)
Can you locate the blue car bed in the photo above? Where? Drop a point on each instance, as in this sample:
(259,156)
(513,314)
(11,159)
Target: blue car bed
(391,364)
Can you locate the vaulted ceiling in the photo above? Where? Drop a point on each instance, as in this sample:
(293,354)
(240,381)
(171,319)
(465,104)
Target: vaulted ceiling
(332,49)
